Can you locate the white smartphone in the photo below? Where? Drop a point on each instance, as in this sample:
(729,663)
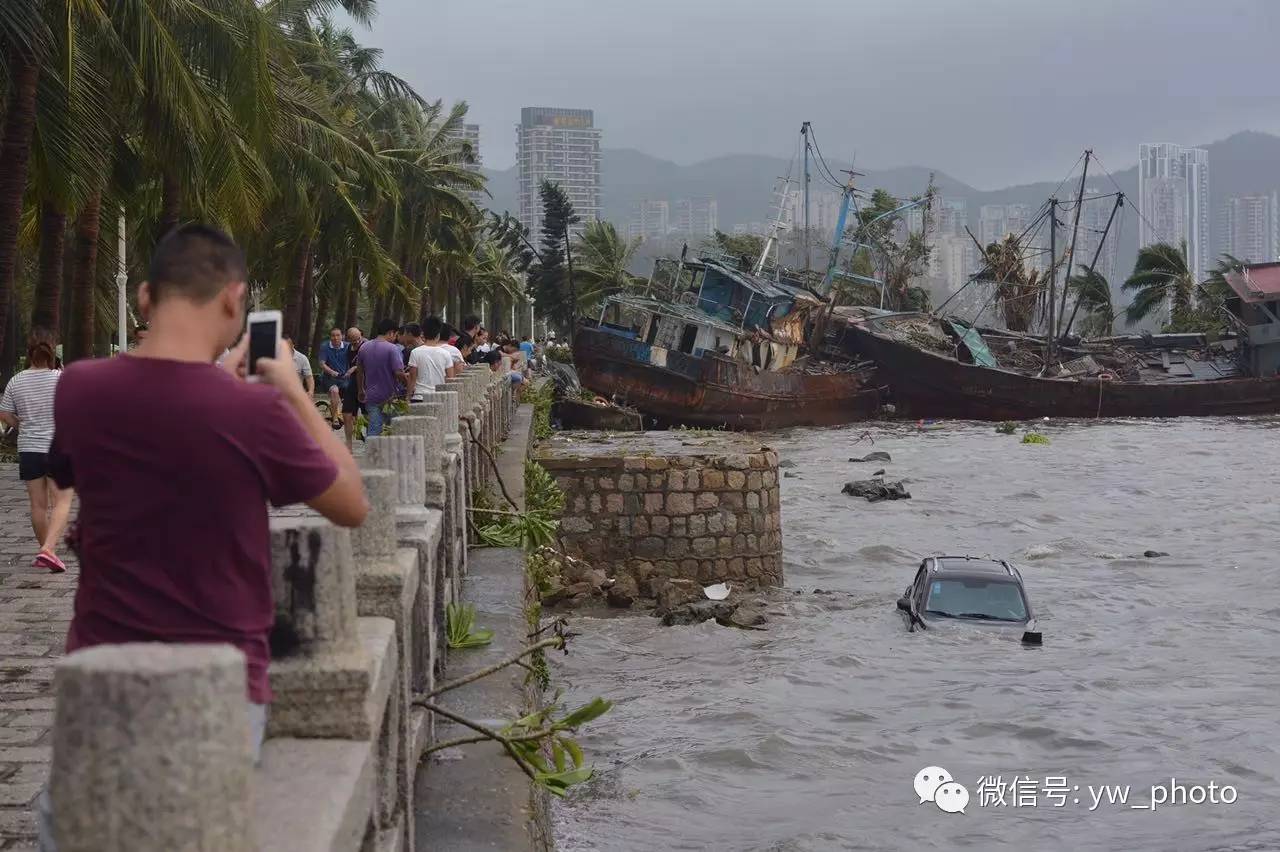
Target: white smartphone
(264,339)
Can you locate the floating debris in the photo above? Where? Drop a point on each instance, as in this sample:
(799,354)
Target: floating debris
(876,490)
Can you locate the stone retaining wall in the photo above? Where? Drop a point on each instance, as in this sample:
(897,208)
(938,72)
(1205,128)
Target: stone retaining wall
(361,614)
(652,507)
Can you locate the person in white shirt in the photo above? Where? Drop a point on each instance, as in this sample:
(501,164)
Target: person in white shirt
(431,362)
(27,403)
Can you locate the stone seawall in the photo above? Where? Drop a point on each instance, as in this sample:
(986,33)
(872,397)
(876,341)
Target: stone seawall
(148,751)
(659,505)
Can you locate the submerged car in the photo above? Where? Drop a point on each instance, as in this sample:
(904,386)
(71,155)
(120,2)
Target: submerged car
(968,589)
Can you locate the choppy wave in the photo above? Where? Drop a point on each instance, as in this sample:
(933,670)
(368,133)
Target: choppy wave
(808,736)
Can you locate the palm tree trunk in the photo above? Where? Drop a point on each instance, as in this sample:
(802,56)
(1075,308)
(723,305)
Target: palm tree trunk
(15,159)
(48,302)
(170,204)
(84,300)
(573,290)
(351,311)
(307,311)
(322,318)
(293,290)
(379,308)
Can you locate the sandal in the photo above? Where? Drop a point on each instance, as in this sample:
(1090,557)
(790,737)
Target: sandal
(45,559)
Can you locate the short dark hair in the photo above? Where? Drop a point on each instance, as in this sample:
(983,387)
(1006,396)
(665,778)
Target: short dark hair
(493,356)
(470,322)
(464,340)
(412,329)
(386,326)
(432,327)
(524,337)
(195,262)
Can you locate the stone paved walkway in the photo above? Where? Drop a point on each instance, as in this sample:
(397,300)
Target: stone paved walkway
(35,609)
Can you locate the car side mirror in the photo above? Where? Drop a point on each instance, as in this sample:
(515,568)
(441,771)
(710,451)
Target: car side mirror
(904,605)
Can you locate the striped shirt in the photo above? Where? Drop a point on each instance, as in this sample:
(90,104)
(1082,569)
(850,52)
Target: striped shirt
(29,396)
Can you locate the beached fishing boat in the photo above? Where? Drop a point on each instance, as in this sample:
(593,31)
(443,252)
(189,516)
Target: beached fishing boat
(732,350)
(940,368)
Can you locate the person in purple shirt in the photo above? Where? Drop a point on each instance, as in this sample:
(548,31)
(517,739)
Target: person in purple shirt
(380,375)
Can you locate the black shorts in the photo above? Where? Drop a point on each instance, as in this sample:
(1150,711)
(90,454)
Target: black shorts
(351,403)
(32,466)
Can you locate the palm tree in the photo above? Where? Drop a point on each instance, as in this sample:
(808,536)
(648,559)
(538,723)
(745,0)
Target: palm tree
(1093,294)
(603,257)
(1160,280)
(1019,289)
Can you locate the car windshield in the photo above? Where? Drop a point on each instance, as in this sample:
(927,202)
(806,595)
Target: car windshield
(992,600)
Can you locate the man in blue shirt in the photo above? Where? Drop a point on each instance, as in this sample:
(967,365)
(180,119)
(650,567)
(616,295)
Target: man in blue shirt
(335,369)
(526,346)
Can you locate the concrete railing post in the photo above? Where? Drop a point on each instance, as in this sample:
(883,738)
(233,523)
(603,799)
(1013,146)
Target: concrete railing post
(404,455)
(390,584)
(314,585)
(376,537)
(430,430)
(152,750)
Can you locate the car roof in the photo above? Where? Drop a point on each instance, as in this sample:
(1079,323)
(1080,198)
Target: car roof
(968,566)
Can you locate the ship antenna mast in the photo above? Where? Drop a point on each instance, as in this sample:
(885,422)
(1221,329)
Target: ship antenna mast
(777,225)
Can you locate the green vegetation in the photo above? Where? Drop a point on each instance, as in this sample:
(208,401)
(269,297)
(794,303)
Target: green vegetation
(1018,286)
(347,188)
(542,397)
(1162,281)
(1008,427)
(532,733)
(460,629)
(1093,295)
(1034,438)
(531,529)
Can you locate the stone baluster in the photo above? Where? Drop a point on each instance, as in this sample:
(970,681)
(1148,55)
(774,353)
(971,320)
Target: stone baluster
(430,430)
(455,476)
(328,671)
(314,585)
(405,455)
(152,750)
(390,584)
(376,537)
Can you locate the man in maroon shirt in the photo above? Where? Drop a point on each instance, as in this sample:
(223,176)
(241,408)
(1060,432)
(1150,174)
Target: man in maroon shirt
(174,486)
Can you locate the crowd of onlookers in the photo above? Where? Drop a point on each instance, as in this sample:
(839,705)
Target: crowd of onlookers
(365,376)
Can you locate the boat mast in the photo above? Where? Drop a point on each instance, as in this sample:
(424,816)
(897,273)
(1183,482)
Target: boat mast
(1075,230)
(1051,338)
(1093,264)
(804,131)
(772,239)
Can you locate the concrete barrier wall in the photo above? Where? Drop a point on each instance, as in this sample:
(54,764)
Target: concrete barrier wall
(164,765)
(648,507)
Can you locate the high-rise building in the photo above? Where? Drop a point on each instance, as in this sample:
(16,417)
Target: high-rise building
(650,220)
(1173,200)
(697,217)
(469,135)
(1250,228)
(953,260)
(561,146)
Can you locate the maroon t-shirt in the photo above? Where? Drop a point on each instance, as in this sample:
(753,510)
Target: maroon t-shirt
(174,464)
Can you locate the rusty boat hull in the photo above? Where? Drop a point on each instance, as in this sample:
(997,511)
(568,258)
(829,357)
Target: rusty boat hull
(677,389)
(925,384)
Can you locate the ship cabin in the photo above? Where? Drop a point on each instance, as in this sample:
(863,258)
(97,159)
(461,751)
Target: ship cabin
(721,311)
(1257,285)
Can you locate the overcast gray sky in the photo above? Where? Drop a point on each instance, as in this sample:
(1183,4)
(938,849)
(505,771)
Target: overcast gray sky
(993,92)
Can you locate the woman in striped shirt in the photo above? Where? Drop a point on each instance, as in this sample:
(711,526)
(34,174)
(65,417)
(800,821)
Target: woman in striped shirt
(28,404)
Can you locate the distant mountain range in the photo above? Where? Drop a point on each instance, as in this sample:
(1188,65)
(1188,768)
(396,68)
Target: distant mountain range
(1244,164)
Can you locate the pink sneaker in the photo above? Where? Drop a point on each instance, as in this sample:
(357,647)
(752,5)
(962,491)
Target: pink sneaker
(45,559)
